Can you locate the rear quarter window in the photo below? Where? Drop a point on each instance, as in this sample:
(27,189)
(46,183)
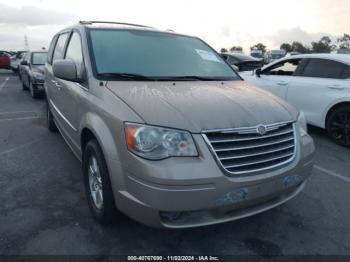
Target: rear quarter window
(323,68)
(346,74)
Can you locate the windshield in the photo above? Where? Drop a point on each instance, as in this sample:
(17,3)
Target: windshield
(39,58)
(256,55)
(277,56)
(156,55)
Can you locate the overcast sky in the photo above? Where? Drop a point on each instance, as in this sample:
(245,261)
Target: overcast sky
(221,23)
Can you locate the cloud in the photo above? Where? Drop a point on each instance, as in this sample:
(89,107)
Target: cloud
(15,42)
(225,31)
(12,36)
(296,34)
(228,37)
(33,16)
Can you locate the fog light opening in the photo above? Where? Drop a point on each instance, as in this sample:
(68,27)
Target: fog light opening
(170,216)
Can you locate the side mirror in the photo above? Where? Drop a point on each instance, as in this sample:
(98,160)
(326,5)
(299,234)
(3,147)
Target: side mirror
(24,62)
(258,72)
(65,69)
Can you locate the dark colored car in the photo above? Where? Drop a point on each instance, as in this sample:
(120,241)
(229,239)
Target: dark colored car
(32,72)
(4,60)
(242,62)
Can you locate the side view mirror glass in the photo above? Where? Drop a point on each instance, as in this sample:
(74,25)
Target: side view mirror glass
(65,69)
(24,62)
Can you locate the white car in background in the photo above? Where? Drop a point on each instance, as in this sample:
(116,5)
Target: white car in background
(318,84)
(15,60)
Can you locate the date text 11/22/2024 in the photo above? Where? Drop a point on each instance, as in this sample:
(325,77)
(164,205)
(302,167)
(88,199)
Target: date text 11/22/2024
(173,258)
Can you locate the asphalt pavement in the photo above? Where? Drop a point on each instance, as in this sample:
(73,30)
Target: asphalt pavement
(44,211)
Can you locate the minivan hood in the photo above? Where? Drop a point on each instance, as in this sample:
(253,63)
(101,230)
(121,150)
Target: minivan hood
(202,105)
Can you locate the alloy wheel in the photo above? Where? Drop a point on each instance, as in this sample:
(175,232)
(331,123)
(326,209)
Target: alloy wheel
(339,127)
(95,182)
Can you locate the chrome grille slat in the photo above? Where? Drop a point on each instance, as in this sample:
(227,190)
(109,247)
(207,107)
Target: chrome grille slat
(248,129)
(254,146)
(242,150)
(251,138)
(256,154)
(261,161)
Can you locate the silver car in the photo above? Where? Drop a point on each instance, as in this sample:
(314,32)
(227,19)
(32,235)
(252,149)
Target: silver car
(31,72)
(167,131)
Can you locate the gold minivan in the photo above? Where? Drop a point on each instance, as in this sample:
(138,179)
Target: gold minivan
(167,132)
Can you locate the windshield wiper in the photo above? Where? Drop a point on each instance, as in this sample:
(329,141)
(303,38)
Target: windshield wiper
(126,76)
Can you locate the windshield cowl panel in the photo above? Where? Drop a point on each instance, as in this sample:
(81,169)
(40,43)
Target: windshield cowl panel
(135,77)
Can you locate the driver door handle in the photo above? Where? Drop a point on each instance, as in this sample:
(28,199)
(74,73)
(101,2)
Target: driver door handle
(282,83)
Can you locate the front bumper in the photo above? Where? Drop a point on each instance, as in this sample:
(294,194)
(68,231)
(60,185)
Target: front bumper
(5,67)
(189,192)
(38,85)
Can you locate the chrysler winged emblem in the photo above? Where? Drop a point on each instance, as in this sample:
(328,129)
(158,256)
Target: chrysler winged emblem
(261,130)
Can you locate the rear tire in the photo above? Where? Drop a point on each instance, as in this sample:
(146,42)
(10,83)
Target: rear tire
(49,119)
(97,185)
(338,125)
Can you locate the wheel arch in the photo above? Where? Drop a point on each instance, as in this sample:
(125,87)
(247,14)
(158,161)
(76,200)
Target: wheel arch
(93,126)
(334,107)
(85,137)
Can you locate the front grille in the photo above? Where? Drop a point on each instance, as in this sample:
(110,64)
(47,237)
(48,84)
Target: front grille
(243,150)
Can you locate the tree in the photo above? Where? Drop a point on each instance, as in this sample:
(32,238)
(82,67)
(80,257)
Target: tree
(286,47)
(236,48)
(299,47)
(324,45)
(344,42)
(259,46)
(223,50)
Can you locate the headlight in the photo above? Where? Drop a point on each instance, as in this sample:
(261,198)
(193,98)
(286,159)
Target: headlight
(302,123)
(158,143)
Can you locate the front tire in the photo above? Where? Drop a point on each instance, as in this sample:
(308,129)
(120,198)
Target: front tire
(24,87)
(338,125)
(97,184)
(33,94)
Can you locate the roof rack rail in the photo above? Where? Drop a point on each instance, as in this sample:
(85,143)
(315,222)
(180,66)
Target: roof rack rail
(109,22)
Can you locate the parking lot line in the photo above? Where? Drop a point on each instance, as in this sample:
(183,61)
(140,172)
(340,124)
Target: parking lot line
(17,112)
(331,173)
(19,118)
(19,147)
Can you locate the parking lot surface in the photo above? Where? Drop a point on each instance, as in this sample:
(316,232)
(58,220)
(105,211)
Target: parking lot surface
(44,211)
